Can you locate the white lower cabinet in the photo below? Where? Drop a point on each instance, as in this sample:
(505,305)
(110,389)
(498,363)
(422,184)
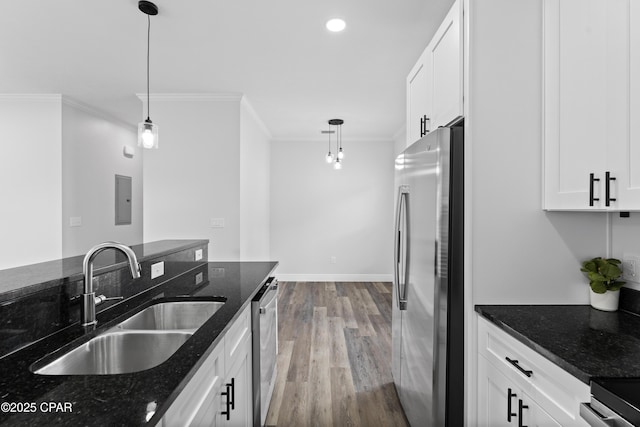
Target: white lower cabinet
(199,403)
(502,403)
(519,387)
(220,393)
(240,376)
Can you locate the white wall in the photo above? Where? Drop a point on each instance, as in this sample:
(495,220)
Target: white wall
(254,185)
(194,175)
(30,177)
(317,212)
(399,141)
(92,154)
(625,239)
(521,254)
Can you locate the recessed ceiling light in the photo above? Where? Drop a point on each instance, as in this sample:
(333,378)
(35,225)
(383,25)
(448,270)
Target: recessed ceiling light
(336,25)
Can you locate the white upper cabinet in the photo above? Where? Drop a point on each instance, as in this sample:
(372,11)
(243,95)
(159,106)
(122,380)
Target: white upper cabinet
(418,97)
(590,98)
(629,190)
(434,85)
(445,51)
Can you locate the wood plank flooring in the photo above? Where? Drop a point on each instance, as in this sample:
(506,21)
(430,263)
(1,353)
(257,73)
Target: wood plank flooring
(334,361)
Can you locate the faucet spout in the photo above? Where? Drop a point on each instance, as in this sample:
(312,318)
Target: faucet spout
(88,308)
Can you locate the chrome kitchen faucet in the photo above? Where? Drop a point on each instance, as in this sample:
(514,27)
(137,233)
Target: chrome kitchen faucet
(89,300)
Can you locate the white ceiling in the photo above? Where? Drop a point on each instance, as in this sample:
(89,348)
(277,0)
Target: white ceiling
(278,53)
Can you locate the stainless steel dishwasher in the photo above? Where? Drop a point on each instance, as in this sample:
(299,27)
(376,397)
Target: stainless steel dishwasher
(264,327)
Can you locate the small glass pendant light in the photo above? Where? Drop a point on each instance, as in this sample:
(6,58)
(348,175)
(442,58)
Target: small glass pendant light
(338,164)
(147,130)
(147,134)
(329,157)
(339,140)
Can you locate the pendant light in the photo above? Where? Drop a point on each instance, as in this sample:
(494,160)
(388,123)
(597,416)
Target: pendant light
(329,156)
(147,130)
(338,164)
(339,142)
(339,152)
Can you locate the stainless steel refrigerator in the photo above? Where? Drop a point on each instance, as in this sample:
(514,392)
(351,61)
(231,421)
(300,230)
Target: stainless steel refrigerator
(428,293)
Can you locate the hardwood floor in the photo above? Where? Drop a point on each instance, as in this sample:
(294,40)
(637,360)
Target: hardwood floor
(334,361)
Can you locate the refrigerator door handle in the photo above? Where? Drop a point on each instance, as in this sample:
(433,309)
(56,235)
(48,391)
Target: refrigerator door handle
(397,243)
(400,251)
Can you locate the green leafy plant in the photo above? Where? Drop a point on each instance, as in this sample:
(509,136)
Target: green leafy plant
(603,274)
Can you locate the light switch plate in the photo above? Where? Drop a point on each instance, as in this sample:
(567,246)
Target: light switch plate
(199,278)
(157,269)
(198,254)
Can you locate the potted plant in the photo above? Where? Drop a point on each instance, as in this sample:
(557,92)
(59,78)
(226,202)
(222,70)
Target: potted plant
(603,277)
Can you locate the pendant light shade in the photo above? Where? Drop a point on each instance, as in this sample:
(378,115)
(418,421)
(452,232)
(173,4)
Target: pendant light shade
(329,157)
(147,130)
(338,164)
(147,134)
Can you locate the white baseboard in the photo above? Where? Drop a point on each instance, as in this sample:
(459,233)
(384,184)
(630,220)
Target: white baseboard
(334,277)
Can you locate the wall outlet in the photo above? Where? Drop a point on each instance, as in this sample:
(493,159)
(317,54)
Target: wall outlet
(333,260)
(198,254)
(75,221)
(157,269)
(199,278)
(631,267)
(217,223)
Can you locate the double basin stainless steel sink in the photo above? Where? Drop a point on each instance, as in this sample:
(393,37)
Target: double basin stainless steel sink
(143,341)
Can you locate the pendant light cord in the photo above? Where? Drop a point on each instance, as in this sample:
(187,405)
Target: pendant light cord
(148,47)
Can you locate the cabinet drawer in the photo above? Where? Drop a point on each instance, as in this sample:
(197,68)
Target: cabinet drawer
(240,329)
(555,390)
(199,393)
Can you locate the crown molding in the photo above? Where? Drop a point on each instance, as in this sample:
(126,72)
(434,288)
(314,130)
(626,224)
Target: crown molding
(244,103)
(97,113)
(221,96)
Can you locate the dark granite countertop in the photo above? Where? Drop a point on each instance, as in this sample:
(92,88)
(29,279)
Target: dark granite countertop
(127,399)
(583,341)
(18,281)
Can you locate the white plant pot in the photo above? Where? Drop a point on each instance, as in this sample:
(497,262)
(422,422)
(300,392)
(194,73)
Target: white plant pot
(605,302)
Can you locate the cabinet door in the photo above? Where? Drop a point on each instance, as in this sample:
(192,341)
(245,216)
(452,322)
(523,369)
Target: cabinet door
(497,397)
(209,413)
(585,88)
(445,51)
(240,372)
(629,182)
(199,403)
(418,98)
(532,415)
(501,403)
